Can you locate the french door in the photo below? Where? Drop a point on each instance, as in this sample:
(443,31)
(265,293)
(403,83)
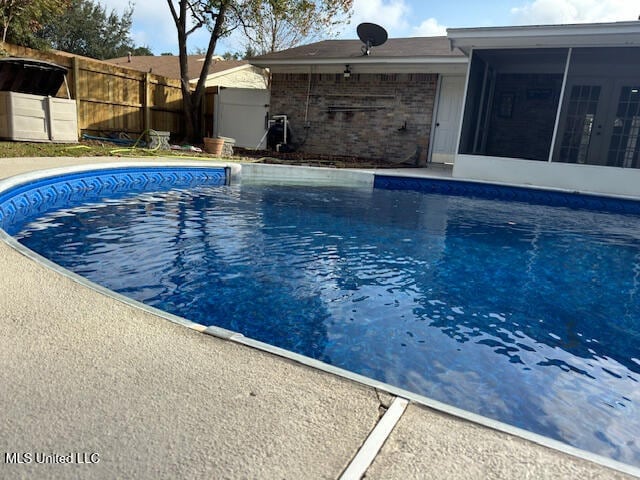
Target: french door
(600,124)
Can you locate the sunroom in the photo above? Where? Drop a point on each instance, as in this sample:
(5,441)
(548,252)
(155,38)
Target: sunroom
(554,106)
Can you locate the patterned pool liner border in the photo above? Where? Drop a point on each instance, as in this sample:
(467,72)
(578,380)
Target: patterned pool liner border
(23,201)
(494,191)
(239,338)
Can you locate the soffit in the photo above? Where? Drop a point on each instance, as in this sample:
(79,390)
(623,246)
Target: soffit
(547,36)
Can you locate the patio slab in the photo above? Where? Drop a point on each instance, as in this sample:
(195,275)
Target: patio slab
(83,373)
(430,444)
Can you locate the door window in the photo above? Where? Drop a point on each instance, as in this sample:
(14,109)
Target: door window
(624,147)
(579,124)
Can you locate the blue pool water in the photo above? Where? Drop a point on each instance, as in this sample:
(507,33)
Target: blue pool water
(523,313)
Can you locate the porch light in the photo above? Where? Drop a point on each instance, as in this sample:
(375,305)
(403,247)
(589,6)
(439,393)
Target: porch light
(347,71)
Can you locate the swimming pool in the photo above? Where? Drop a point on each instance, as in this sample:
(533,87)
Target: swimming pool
(524,313)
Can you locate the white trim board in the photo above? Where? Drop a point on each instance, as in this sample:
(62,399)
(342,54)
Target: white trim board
(601,180)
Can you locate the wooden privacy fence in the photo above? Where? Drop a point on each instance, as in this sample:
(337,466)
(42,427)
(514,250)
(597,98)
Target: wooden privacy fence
(113,99)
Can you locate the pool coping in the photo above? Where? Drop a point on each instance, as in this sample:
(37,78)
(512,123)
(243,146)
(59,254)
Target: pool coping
(316,178)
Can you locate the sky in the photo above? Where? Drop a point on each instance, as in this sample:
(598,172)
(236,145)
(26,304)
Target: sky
(153,26)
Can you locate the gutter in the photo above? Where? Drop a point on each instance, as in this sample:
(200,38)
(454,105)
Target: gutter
(461,60)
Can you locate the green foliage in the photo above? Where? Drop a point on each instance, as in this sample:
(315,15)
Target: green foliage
(249,52)
(272,25)
(20,19)
(198,51)
(231,55)
(141,51)
(86,28)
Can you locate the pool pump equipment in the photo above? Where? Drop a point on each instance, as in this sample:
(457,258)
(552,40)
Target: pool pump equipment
(279,134)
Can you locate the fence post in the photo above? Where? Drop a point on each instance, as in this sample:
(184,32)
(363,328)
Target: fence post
(146,103)
(75,65)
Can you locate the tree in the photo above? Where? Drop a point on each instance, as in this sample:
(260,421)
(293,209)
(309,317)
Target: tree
(220,17)
(20,19)
(272,25)
(189,16)
(86,28)
(248,53)
(142,51)
(231,56)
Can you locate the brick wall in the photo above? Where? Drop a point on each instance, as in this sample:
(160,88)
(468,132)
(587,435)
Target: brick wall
(361,116)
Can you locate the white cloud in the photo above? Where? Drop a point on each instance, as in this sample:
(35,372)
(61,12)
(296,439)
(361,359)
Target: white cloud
(392,15)
(428,28)
(575,11)
(395,16)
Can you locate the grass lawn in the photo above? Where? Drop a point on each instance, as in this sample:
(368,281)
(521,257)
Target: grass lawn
(87,149)
(96,148)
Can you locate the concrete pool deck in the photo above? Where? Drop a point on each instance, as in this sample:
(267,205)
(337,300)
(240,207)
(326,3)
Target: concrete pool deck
(86,375)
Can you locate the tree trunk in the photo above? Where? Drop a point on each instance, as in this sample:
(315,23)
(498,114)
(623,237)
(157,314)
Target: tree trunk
(192,101)
(193,117)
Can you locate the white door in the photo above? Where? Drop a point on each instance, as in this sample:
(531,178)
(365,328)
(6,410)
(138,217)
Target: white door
(241,114)
(447,121)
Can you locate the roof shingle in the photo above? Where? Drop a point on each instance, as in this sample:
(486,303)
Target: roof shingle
(341,49)
(169,65)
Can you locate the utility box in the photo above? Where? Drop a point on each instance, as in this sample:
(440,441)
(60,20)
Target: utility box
(28,109)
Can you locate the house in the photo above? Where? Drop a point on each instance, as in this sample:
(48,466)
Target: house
(549,105)
(222,73)
(237,93)
(552,105)
(400,103)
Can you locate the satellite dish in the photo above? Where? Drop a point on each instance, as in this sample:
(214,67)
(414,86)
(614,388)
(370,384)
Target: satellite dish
(371,35)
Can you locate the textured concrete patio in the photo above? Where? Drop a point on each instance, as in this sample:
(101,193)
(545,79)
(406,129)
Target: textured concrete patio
(83,373)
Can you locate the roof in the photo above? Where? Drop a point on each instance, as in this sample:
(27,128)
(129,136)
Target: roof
(169,65)
(548,36)
(394,50)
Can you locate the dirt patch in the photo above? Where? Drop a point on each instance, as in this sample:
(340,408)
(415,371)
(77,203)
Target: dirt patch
(305,159)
